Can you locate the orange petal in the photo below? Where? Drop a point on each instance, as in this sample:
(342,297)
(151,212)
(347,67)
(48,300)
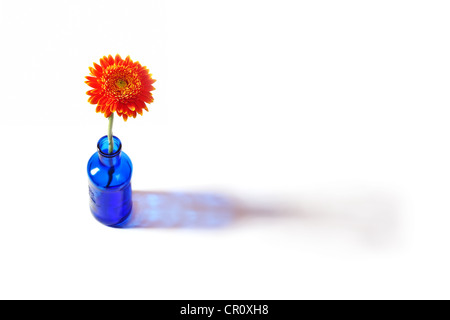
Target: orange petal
(140,103)
(98,68)
(104,108)
(104,62)
(113,107)
(94,99)
(92,84)
(147,79)
(94,92)
(95,72)
(119,107)
(138,109)
(98,109)
(102,100)
(110,101)
(125,117)
(118,59)
(124,108)
(146,97)
(107,113)
(148,87)
(110,60)
(131,107)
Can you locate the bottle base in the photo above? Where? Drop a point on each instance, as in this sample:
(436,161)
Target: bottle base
(123,221)
(118,224)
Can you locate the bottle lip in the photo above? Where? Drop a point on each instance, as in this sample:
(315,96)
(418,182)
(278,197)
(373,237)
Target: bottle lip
(109,155)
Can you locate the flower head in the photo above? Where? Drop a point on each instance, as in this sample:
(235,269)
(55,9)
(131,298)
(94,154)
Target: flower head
(120,86)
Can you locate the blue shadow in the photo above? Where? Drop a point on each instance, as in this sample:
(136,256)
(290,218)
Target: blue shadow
(180,210)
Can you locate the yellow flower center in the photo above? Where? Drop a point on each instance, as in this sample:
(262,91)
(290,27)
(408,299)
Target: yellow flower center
(121,83)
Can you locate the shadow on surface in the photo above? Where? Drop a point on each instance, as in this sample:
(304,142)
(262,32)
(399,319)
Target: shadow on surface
(188,210)
(359,217)
(367,216)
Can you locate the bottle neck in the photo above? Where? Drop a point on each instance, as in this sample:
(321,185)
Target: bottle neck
(109,159)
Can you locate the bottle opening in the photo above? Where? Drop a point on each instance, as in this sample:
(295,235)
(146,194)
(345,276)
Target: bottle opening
(103,147)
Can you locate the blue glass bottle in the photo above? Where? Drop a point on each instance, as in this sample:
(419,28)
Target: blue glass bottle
(110,183)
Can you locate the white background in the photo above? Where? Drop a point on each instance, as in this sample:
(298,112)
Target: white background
(329,118)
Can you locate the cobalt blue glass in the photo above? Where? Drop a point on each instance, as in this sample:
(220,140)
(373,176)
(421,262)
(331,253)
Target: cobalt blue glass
(110,183)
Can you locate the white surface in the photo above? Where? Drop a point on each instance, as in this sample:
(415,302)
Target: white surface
(328,118)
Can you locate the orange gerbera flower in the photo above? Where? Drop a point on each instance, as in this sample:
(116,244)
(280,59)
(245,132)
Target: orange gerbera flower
(120,86)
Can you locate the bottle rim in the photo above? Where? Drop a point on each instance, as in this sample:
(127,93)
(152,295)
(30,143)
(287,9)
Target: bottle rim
(109,155)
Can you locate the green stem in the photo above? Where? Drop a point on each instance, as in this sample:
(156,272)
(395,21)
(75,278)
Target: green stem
(110,136)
